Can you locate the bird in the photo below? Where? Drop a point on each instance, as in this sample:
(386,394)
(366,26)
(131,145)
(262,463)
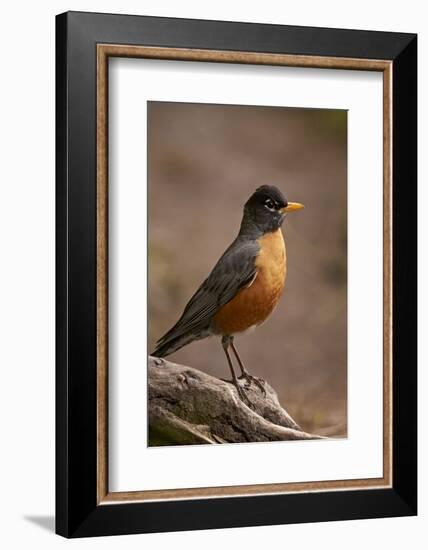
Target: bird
(242,289)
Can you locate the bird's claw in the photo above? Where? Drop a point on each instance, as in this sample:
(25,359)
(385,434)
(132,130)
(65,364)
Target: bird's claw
(241,392)
(259,382)
(243,395)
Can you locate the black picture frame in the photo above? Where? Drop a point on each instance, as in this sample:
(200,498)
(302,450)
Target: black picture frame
(77,511)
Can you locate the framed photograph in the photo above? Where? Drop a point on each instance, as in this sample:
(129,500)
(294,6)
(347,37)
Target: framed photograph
(236,274)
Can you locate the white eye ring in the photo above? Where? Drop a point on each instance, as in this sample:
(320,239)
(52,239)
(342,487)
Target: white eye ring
(270,205)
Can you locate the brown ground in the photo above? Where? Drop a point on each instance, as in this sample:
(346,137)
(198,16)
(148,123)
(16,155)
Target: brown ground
(204,162)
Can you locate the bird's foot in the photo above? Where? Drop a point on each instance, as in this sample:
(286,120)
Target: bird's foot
(242,393)
(259,382)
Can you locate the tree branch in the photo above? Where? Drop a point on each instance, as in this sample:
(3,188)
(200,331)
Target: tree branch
(188,406)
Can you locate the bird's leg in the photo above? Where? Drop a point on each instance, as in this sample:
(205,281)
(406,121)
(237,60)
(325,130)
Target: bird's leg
(259,382)
(225,341)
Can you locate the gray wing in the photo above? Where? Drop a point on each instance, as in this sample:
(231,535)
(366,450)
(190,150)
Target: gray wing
(234,271)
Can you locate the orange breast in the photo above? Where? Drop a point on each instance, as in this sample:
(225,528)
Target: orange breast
(253,305)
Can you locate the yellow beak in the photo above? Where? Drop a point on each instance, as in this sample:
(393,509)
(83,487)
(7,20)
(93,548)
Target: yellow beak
(292,206)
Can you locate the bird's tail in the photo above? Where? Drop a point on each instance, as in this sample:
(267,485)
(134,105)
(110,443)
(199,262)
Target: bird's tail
(166,346)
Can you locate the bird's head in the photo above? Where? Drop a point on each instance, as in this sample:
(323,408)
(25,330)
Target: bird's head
(267,208)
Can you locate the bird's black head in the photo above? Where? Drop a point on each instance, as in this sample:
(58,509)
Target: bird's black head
(266,209)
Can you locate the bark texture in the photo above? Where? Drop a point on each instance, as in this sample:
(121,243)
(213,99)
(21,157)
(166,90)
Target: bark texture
(188,406)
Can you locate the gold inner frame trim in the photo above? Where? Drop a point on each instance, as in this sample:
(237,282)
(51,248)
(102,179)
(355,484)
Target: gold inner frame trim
(104,51)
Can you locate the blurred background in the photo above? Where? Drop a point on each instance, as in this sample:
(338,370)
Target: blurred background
(204,161)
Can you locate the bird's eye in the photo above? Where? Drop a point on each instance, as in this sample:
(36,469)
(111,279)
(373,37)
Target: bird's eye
(270,204)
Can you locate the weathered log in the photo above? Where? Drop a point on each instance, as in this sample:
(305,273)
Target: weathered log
(188,406)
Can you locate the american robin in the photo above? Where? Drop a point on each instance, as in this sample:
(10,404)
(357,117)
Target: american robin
(243,288)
